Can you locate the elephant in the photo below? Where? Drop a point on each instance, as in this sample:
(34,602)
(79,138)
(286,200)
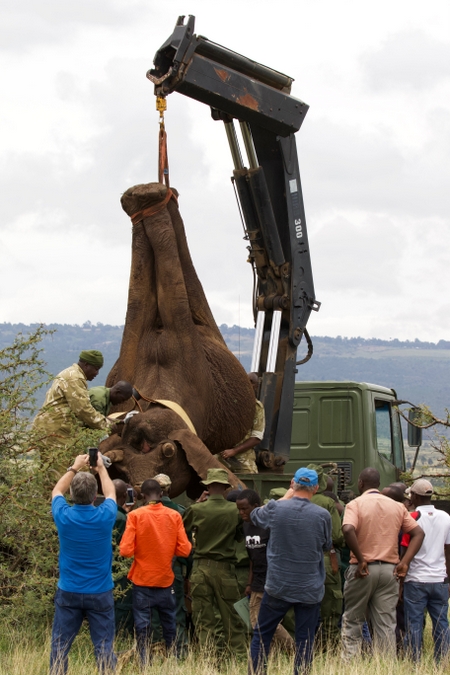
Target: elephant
(195,397)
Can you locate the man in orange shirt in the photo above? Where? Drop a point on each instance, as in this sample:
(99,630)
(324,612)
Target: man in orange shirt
(371,526)
(153,535)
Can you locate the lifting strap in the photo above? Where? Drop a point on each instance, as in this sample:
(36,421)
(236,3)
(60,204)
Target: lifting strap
(163,158)
(176,407)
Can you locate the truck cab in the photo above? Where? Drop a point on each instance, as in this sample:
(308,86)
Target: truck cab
(346,425)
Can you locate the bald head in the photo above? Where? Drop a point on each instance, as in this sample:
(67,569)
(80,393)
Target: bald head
(121,491)
(254,381)
(368,479)
(120,392)
(393,492)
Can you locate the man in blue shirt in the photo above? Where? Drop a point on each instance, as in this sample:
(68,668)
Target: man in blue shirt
(300,532)
(85,559)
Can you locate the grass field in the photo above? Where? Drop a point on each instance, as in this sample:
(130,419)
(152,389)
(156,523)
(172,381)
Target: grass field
(25,654)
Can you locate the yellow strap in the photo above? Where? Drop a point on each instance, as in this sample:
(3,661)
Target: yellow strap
(180,411)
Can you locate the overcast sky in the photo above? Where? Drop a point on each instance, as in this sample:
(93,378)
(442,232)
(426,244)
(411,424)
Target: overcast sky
(79,126)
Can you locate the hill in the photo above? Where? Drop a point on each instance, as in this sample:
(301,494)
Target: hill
(418,371)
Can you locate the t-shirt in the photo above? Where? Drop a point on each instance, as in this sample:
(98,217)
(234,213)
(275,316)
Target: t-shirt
(299,534)
(85,545)
(256,539)
(428,565)
(377,520)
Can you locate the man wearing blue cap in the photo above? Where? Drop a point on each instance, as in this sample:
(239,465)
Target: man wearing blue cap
(300,532)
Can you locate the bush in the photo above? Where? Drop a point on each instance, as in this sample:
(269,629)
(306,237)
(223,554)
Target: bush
(29,541)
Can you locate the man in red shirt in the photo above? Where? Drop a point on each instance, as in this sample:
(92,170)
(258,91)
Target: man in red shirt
(153,535)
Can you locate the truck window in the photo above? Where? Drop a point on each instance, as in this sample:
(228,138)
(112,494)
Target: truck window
(383,429)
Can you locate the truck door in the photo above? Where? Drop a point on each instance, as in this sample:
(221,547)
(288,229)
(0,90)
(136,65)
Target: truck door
(388,435)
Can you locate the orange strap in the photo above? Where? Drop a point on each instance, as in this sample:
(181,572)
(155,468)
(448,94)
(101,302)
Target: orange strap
(163,159)
(146,213)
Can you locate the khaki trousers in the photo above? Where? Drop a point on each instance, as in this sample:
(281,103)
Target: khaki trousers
(281,637)
(372,598)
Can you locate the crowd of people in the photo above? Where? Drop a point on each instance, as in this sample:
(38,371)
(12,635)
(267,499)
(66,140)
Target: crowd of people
(233,574)
(192,567)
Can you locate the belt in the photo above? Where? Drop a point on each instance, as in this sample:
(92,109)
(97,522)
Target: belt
(215,564)
(380,562)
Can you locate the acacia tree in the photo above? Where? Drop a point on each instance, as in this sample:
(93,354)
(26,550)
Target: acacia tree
(28,538)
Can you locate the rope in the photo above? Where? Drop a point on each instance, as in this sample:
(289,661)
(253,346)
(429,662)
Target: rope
(146,213)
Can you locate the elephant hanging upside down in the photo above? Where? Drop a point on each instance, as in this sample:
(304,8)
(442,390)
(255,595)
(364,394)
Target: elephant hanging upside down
(173,353)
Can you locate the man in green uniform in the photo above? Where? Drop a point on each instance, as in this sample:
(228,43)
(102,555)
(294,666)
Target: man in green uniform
(216,525)
(242,457)
(67,403)
(331,606)
(181,568)
(102,398)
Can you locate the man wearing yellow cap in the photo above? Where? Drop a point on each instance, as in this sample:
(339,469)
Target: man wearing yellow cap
(67,401)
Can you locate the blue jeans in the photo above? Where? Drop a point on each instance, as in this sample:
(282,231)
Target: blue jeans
(70,610)
(433,597)
(271,612)
(146,598)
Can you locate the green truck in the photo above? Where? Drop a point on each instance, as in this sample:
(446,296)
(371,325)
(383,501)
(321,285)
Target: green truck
(346,426)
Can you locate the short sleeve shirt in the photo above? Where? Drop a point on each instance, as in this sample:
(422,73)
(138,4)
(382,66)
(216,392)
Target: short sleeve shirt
(85,545)
(377,520)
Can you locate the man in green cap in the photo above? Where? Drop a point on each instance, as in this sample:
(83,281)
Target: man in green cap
(216,526)
(67,401)
(331,605)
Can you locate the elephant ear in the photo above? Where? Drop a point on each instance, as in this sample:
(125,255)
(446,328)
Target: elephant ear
(199,457)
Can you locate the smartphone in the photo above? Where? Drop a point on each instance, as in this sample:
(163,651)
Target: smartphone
(93,456)
(130,497)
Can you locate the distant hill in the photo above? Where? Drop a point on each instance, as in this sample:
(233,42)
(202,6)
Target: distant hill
(418,371)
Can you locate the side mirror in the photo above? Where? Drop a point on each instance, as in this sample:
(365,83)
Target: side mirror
(414,433)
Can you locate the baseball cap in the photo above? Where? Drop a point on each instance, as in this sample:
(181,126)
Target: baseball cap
(306,477)
(163,480)
(422,487)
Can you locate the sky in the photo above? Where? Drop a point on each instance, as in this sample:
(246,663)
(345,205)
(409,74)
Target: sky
(78,126)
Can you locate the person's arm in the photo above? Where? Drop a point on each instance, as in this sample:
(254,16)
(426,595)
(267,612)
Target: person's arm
(447,561)
(184,546)
(77,397)
(242,447)
(417,536)
(108,489)
(63,485)
(352,542)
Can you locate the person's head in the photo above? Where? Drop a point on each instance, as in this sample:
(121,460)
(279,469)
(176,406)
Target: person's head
(330,484)
(246,502)
(394,491)
(305,483)
(90,362)
(83,488)
(421,492)
(120,392)
(164,482)
(121,491)
(254,381)
(368,479)
(216,481)
(151,490)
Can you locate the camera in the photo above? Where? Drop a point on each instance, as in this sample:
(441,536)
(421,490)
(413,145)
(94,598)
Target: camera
(93,457)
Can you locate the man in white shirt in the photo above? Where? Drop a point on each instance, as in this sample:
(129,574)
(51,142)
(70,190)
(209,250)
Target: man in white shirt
(427,581)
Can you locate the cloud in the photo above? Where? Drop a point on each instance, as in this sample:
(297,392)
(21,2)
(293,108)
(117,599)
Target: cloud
(28,23)
(410,59)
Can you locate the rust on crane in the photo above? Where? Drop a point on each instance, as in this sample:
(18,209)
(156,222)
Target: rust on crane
(223,74)
(248,101)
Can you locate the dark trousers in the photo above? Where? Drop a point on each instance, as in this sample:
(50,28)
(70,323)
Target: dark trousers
(271,612)
(146,598)
(70,610)
(434,598)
